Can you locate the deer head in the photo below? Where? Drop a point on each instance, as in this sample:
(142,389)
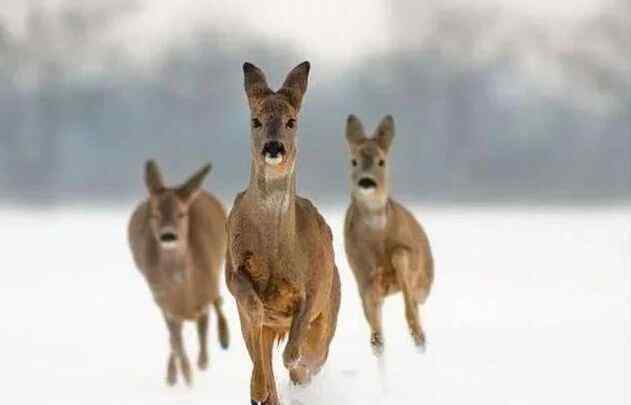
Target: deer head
(169,207)
(369,159)
(274,119)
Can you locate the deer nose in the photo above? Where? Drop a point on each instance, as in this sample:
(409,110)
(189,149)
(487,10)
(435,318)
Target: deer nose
(367,183)
(273,149)
(168,237)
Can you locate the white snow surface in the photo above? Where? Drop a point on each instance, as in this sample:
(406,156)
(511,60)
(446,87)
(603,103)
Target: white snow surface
(529,306)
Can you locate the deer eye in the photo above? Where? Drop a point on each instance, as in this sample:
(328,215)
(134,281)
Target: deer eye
(291,123)
(256,123)
(382,162)
(354,162)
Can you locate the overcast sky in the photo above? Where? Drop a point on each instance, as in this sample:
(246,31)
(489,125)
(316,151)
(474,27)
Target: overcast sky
(576,49)
(333,31)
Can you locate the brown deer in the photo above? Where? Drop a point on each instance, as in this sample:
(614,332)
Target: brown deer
(386,247)
(280,265)
(177,238)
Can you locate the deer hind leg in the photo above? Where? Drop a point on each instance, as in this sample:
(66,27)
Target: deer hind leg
(372,302)
(402,262)
(222,324)
(202,334)
(177,353)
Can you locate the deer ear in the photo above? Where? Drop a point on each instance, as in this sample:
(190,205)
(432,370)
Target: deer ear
(189,190)
(354,130)
(295,85)
(385,132)
(153,177)
(255,84)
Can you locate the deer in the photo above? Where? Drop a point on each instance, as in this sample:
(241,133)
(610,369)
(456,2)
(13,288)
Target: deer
(178,242)
(280,264)
(386,247)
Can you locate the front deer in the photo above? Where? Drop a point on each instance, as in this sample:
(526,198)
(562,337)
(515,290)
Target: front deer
(177,238)
(386,247)
(280,265)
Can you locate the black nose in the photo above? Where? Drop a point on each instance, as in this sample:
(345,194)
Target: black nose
(168,237)
(273,148)
(367,183)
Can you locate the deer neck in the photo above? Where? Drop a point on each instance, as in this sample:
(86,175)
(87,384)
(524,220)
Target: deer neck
(372,212)
(172,261)
(272,204)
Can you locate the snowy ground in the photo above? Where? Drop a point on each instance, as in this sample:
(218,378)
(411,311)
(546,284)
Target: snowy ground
(529,307)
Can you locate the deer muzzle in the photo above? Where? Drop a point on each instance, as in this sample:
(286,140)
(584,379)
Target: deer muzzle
(168,239)
(366,184)
(274,152)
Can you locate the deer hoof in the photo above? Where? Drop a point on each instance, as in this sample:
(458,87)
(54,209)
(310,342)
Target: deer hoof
(419,341)
(171,380)
(186,371)
(268,401)
(376,342)
(171,372)
(300,376)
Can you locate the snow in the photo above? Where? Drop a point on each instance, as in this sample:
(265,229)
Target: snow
(530,306)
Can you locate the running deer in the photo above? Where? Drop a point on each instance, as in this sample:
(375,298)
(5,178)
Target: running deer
(280,265)
(177,238)
(386,247)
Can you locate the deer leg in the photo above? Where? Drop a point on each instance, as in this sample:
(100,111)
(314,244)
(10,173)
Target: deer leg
(401,261)
(252,334)
(297,332)
(372,301)
(172,370)
(316,346)
(311,353)
(267,344)
(251,317)
(172,363)
(202,334)
(222,325)
(177,351)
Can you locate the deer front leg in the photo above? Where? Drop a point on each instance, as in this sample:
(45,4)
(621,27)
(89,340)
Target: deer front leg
(402,266)
(222,325)
(297,332)
(177,353)
(267,344)
(251,316)
(202,333)
(240,286)
(372,301)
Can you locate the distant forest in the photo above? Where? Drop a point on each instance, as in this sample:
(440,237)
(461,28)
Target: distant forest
(73,135)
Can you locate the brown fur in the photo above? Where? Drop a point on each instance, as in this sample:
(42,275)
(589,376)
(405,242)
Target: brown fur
(386,247)
(280,264)
(184,278)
